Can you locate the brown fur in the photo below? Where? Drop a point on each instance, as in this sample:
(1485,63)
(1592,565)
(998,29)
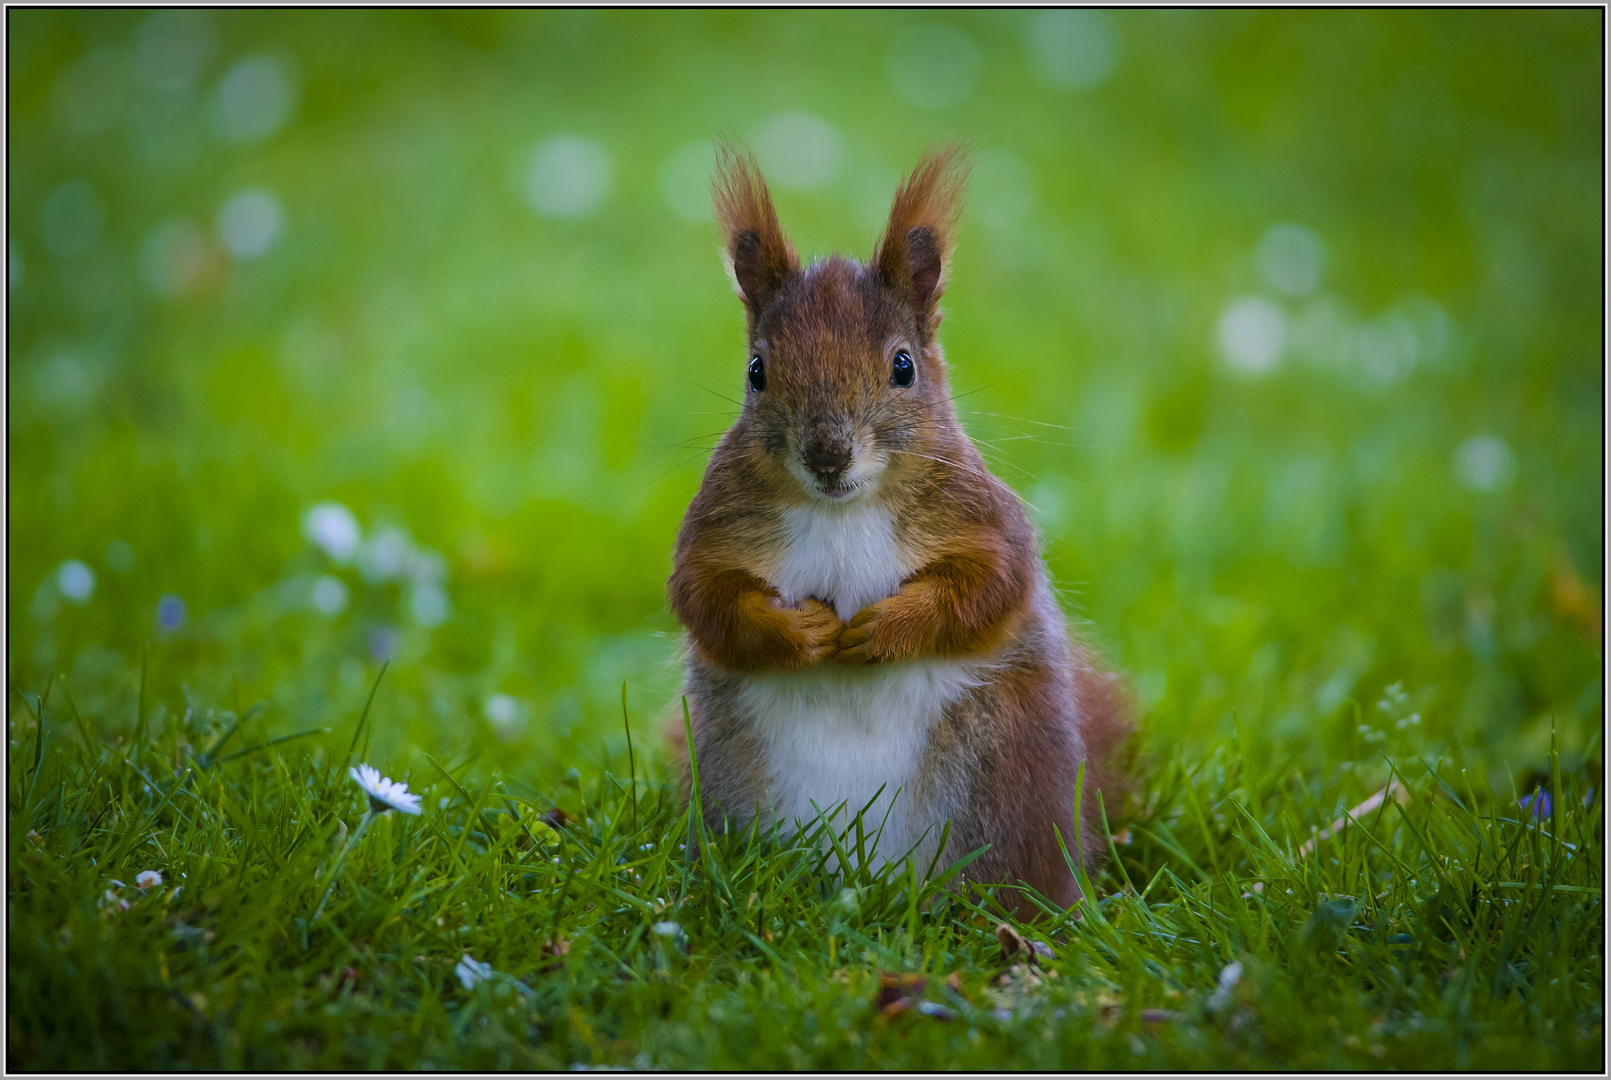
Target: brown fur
(758,254)
(832,423)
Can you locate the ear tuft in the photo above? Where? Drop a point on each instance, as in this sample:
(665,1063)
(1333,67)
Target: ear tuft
(916,248)
(758,255)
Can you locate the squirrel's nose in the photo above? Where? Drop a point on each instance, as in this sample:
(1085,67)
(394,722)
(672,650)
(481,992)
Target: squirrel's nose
(827,458)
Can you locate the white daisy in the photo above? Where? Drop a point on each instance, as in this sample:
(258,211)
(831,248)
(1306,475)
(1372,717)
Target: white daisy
(1229,976)
(332,527)
(471,971)
(384,794)
(147,879)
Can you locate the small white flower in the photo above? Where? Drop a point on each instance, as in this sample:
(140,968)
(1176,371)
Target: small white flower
(384,794)
(667,929)
(1229,976)
(111,903)
(147,879)
(384,556)
(429,605)
(471,971)
(1485,463)
(249,222)
(507,714)
(76,581)
(329,595)
(332,527)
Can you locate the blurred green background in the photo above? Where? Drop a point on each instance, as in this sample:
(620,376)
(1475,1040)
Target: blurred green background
(340,336)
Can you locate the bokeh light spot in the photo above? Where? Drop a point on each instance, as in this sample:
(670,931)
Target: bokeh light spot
(933,66)
(384,556)
(249,223)
(1292,258)
(798,150)
(1251,335)
(329,595)
(507,714)
(1388,348)
(428,605)
(568,177)
(1074,49)
(172,47)
(1485,463)
(174,257)
(383,642)
(170,612)
(332,528)
(254,99)
(67,383)
(76,581)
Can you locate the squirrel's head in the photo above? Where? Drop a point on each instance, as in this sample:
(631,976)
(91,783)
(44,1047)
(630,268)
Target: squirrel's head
(844,379)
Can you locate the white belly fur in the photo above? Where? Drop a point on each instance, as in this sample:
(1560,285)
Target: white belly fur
(838,734)
(843,555)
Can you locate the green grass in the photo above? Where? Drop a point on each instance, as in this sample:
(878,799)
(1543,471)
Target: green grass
(1451,932)
(1377,557)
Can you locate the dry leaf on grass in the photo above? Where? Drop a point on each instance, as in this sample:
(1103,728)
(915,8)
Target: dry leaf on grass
(898,992)
(1014,946)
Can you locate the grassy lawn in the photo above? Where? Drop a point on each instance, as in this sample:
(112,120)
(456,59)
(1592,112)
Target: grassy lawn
(361,365)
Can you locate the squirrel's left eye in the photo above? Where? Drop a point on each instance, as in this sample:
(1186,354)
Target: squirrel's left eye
(757,374)
(904,370)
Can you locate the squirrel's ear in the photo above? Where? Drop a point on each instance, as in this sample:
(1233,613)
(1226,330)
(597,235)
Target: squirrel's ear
(916,248)
(757,253)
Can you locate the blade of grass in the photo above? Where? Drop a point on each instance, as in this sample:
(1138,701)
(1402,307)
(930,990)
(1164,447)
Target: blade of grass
(139,704)
(1557,796)
(695,810)
(363,717)
(39,741)
(632,762)
(271,742)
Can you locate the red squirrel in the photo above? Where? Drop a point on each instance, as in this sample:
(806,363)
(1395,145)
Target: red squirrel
(865,604)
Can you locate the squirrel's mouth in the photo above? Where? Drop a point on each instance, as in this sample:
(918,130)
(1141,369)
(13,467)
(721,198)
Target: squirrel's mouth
(837,489)
(837,481)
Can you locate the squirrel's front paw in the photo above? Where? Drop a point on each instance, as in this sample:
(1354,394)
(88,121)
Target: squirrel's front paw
(898,628)
(818,626)
(865,637)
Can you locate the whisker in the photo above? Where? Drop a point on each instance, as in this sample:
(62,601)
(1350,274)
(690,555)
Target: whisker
(689,439)
(1020,419)
(1031,438)
(701,386)
(961,465)
(680,465)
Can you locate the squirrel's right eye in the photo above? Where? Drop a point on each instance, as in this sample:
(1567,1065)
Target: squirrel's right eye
(757,374)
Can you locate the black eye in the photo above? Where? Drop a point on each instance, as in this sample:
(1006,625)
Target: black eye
(757,374)
(904,371)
